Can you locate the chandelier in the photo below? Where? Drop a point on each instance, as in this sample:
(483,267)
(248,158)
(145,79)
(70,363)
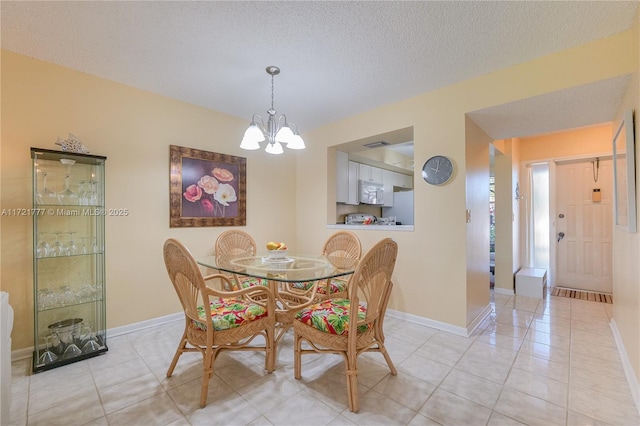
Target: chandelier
(277,130)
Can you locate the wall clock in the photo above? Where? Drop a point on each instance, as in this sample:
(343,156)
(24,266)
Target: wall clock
(437,170)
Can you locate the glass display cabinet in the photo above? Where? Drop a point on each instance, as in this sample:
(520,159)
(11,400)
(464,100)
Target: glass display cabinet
(68,257)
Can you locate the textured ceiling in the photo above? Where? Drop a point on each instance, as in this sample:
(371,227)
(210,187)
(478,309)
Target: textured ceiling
(337,58)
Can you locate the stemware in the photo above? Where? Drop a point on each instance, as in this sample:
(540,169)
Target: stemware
(45,195)
(67,196)
(57,248)
(94,245)
(71,246)
(47,356)
(72,350)
(90,342)
(43,249)
(83,193)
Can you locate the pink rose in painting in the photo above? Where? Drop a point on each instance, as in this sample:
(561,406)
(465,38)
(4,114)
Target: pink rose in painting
(225,194)
(193,193)
(223,175)
(207,205)
(209,184)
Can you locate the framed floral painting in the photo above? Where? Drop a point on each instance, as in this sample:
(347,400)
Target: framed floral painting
(206,188)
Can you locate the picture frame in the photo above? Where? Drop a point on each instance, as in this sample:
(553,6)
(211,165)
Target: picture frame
(206,188)
(624,174)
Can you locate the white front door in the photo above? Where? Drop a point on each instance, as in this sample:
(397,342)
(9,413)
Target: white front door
(584,225)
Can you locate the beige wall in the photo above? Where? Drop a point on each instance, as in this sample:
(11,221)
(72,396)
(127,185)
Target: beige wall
(573,143)
(134,129)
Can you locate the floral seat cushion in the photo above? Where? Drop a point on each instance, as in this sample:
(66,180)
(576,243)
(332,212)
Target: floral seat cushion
(331,316)
(246,282)
(230,313)
(338,285)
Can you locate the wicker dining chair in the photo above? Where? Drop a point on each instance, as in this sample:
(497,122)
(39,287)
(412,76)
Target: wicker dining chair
(354,325)
(217,320)
(341,248)
(237,243)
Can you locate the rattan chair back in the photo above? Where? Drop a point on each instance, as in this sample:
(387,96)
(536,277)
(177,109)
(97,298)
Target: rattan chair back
(235,242)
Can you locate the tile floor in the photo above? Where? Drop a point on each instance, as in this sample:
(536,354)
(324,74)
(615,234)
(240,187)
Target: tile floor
(533,362)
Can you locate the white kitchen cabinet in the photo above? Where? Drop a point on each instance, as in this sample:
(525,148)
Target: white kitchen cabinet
(352,183)
(370,173)
(388,181)
(403,181)
(342,177)
(346,179)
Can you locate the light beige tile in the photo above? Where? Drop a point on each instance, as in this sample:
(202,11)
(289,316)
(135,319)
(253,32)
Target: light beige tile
(157,410)
(541,350)
(267,392)
(498,419)
(405,389)
(484,368)
(577,419)
(543,367)
(602,407)
(471,387)
(494,353)
(302,409)
(554,340)
(76,409)
(596,364)
(19,403)
(552,328)
(129,392)
(443,354)
(514,317)
(541,387)
(501,340)
(114,374)
(424,369)
(422,420)
(529,410)
(507,329)
(613,387)
(449,409)
(376,408)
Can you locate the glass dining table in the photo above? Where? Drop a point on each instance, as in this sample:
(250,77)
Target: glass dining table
(282,274)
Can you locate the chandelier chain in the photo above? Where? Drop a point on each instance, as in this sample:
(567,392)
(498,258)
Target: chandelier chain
(272,89)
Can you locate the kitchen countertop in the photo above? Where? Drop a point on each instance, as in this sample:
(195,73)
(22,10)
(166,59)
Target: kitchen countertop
(372,227)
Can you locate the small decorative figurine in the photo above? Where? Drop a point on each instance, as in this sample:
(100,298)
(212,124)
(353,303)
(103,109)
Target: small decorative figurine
(72,144)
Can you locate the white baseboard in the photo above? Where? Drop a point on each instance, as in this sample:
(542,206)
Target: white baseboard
(503,291)
(112,332)
(478,319)
(460,331)
(626,365)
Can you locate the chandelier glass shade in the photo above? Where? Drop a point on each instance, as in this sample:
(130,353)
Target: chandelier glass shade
(276,131)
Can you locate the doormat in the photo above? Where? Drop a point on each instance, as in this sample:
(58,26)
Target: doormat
(582,295)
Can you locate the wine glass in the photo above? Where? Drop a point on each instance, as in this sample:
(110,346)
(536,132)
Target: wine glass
(57,248)
(43,249)
(45,195)
(67,196)
(47,356)
(83,193)
(71,246)
(90,342)
(72,350)
(94,245)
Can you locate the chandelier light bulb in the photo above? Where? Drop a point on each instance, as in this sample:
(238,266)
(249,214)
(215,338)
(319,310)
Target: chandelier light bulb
(274,148)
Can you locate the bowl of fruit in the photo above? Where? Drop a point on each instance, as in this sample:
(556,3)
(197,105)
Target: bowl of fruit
(277,250)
